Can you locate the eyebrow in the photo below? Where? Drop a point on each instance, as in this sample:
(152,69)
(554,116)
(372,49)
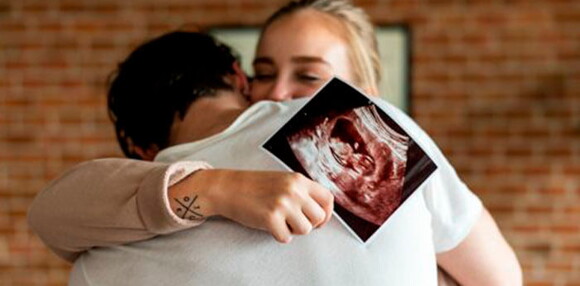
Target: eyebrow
(298,59)
(309,59)
(262,60)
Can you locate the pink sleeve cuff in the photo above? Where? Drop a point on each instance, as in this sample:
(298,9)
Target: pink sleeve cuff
(153,201)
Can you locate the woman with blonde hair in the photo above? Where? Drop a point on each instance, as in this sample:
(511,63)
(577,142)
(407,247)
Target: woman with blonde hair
(339,21)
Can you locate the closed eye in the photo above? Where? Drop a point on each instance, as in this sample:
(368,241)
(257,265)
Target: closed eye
(264,77)
(309,77)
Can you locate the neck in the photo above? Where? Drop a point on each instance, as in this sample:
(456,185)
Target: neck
(208,116)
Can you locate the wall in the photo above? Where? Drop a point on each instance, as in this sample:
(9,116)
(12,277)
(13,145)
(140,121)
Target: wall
(496,83)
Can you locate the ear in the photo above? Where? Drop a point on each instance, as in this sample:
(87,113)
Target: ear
(240,79)
(147,154)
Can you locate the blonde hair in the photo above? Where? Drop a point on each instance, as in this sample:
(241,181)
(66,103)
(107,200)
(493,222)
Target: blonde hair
(359,32)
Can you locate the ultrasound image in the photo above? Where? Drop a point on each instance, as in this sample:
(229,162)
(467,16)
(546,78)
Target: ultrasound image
(359,157)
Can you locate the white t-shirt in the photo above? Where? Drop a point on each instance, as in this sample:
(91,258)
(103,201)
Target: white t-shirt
(220,252)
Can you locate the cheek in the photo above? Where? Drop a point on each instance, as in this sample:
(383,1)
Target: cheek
(307,91)
(258,91)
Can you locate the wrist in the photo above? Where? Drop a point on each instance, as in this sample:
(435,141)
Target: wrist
(189,198)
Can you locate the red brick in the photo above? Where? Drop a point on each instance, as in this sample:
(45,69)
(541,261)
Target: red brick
(518,113)
(536,170)
(106,8)
(536,134)
(71,7)
(5,8)
(521,151)
(569,15)
(491,19)
(540,283)
(12,26)
(37,7)
(498,170)
(530,16)
(539,210)
(493,58)
(513,189)
(474,77)
(16,65)
(572,210)
(480,151)
(429,39)
(560,266)
(574,248)
(460,133)
(46,26)
(103,45)
(528,229)
(569,55)
(501,209)
(564,151)
(565,229)
(543,249)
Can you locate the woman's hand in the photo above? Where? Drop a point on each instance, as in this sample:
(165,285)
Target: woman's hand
(281,203)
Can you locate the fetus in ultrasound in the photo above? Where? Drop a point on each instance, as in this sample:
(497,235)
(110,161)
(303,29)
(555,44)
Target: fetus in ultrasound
(358,157)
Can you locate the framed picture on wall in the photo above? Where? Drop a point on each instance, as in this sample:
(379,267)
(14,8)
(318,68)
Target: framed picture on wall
(394,43)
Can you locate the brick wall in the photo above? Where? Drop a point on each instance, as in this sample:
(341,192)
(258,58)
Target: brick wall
(495,83)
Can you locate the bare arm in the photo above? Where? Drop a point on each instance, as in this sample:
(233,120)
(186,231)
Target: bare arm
(483,257)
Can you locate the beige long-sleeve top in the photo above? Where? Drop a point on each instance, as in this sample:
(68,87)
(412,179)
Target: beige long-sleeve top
(63,214)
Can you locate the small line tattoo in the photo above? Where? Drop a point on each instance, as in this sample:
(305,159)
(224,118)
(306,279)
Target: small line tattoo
(188,211)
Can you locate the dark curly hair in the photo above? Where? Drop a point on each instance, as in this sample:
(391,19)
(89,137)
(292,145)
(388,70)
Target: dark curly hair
(159,80)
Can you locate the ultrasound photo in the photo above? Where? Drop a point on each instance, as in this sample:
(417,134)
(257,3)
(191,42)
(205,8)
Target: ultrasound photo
(345,142)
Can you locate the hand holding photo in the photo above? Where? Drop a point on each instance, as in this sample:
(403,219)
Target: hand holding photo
(342,140)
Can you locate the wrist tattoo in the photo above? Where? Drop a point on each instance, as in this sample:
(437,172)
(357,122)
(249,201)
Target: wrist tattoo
(187,208)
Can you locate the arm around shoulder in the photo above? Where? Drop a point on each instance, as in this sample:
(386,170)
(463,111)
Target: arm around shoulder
(483,258)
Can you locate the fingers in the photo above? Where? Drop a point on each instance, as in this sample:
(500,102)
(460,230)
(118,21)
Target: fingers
(278,202)
(314,212)
(315,206)
(324,199)
(279,229)
(328,209)
(299,223)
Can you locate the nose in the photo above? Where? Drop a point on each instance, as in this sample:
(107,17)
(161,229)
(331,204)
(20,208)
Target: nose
(280,91)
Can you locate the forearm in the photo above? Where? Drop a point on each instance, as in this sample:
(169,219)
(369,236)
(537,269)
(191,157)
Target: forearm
(107,202)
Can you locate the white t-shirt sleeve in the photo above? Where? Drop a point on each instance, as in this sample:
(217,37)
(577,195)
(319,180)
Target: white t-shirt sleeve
(453,207)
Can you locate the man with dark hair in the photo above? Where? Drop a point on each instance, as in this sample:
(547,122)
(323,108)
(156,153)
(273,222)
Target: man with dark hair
(159,81)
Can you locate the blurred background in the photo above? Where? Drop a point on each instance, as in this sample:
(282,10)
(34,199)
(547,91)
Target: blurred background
(496,83)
